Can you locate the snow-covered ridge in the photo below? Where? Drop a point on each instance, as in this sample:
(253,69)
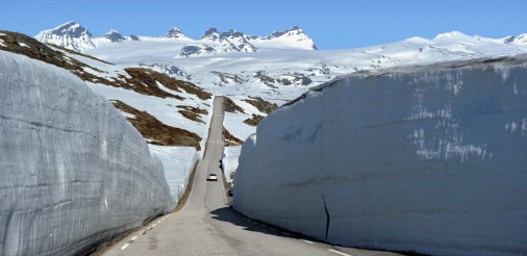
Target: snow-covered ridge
(73,36)
(174,33)
(69,35)
(74,171)
(291,38)
(429,159)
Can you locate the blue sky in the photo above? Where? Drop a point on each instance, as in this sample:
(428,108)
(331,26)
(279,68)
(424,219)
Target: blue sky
(333,24)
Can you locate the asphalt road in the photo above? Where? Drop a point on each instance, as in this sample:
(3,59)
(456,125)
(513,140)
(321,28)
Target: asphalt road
(207,226)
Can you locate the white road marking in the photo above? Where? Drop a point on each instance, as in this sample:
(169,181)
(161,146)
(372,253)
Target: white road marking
(158,222)
(307,241)
(154,225)
(341,253)
(133,238)
(124,246)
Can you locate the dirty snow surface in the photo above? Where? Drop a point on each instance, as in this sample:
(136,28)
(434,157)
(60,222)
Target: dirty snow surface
(73,169)
(425,159)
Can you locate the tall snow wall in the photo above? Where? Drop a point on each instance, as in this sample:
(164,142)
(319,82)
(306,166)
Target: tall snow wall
(73,171)
(425,159)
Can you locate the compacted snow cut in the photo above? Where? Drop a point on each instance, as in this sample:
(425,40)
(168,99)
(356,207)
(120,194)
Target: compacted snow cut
(425,159)
(73,170)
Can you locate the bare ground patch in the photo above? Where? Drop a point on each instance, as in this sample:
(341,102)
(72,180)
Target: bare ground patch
(230,106)
(254,121)
(156,132)
(261,104)
(145,81)
(192,113)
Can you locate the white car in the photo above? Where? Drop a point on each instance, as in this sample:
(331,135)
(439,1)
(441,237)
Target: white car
(212,177)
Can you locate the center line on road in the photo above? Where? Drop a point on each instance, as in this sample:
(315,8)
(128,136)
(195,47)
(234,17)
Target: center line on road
(133,238)
(337,252)
(158,222)
(307,241)
(124,246)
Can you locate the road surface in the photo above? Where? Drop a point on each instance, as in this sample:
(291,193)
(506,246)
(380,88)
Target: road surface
(207,226)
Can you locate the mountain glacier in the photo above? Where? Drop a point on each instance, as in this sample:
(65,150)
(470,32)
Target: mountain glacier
(74,171)
(427,159)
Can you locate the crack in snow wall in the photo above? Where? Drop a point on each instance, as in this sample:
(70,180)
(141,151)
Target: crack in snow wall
(73,171)
(429,159)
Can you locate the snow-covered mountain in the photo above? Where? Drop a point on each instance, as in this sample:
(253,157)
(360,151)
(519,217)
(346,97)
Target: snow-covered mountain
(114,36)
(230,41)
(518,40)
(174,33)
(69,35)
(293,38)
(72,35)
(426,159)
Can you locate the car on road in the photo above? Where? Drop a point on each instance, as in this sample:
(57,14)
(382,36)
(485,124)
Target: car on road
(212,177)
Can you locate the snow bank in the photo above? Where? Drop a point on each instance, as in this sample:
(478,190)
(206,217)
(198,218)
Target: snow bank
(178,163)
(426,159)
(74,171)
(230,161)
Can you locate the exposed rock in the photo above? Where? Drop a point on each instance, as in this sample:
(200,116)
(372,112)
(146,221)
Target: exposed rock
(230,106)
(254,120)
(156,132)
(261,104)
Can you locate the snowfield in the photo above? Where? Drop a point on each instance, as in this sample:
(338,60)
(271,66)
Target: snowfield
(74,171)
(425,159)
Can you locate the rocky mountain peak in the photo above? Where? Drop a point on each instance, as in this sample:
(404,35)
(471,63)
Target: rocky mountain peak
(210,32)
(114,36)
(232,33)
(70,28)
(295,30)
(174,33)
(293,37)
(69,35)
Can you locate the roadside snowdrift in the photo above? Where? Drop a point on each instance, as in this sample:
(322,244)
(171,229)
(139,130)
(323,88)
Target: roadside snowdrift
(73,170)
(427,159)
